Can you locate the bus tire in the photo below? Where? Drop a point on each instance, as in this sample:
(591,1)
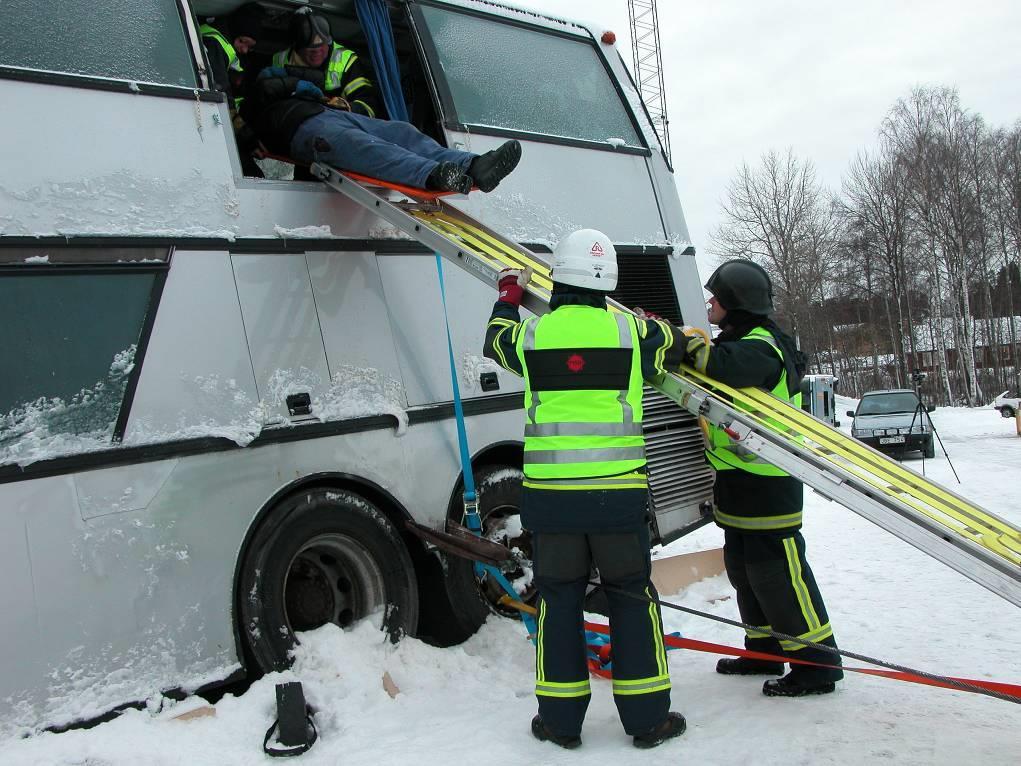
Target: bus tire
(929,449)
(323,555)
(471,602)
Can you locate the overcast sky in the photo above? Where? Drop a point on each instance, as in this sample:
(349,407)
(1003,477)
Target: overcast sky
(746,76)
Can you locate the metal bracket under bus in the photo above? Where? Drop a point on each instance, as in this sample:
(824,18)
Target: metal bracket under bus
(943,543)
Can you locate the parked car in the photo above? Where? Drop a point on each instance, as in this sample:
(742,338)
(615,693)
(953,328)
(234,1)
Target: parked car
(893,421)
(1008,403)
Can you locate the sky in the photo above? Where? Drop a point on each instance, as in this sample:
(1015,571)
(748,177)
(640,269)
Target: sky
(743,78)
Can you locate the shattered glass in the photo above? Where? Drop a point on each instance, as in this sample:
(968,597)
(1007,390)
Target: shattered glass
(135,40)
(507,76)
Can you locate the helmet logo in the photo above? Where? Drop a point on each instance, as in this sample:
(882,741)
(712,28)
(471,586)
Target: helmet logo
(597,250)
(575,362)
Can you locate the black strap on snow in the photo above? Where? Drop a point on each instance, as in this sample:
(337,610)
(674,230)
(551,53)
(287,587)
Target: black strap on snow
(294,719)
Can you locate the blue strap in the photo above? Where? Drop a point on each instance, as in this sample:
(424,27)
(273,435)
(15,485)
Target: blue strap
(471,509)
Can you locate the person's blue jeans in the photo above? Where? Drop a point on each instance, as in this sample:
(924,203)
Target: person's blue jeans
(391,151)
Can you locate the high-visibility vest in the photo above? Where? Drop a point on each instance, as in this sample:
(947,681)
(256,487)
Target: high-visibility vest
(341,59)
(583,399)
(233,62)
(725,454)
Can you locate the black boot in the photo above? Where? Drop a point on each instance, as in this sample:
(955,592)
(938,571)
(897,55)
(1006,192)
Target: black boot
(672,726)
(448,177)
(743,666)
(801,683)
(541,733)
(492,167)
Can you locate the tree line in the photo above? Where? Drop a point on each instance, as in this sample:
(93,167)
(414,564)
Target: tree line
(914,265)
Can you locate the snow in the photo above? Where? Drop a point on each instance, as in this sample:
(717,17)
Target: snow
(304,232)
(474,701)
(38,259)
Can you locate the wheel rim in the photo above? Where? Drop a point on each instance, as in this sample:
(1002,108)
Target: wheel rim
(332,578)
(503,525)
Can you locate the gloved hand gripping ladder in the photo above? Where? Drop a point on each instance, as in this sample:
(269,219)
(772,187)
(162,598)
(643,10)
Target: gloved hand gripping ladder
(952,529)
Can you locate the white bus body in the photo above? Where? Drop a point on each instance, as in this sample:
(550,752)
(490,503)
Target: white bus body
(170,510)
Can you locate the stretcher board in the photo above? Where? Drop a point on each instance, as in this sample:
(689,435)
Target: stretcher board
(952,529)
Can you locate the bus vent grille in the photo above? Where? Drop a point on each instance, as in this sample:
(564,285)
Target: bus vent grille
(646,281)
(678,473)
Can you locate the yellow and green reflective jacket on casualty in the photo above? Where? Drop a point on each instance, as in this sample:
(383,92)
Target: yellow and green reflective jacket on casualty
(726,455)
(341,60)
(583,399)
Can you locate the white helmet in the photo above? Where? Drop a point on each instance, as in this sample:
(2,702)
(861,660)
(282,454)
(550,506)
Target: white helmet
(587,259)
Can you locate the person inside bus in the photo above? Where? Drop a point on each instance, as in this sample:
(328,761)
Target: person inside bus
(322,113)
(227,41)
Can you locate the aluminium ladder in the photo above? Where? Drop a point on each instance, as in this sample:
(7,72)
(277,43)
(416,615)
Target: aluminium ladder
(948,527)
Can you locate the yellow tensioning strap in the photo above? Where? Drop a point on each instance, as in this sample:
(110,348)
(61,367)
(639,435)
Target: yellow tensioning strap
(885,475)
(483,244)
(991,533)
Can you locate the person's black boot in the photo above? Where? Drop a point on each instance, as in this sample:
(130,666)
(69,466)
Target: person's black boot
(743,666)
(673,726)
(448,177)
(492,167)
(802,683)
(541,733)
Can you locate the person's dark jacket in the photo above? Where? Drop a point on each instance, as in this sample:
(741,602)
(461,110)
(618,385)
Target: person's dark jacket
(274,111)
(742,363)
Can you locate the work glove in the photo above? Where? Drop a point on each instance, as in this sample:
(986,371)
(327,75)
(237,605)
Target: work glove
(511,284)
(338,102)
(305,89)
(272,71)
(643,314)
(696,347)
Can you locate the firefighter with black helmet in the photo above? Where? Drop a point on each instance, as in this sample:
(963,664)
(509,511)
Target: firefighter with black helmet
(758,505)
(585,491)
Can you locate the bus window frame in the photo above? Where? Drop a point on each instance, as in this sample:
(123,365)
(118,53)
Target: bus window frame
(444,101)
(159,271)
(199,65)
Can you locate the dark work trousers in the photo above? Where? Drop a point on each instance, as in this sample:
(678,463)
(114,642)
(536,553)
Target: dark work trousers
(776,590)
(641,678)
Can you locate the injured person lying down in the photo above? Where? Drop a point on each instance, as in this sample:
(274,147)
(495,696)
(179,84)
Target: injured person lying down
(292,114)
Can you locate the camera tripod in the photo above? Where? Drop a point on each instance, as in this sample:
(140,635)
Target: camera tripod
(922,414)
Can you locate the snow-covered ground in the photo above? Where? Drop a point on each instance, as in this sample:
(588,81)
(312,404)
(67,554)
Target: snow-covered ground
(475,701)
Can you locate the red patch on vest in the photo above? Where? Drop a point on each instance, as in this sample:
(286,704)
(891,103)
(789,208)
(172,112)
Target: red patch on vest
(575,362)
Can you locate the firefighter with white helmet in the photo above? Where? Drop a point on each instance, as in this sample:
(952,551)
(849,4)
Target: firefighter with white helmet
(585,491)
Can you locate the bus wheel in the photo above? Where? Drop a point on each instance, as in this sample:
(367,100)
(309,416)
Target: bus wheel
(323,556)
(473,600)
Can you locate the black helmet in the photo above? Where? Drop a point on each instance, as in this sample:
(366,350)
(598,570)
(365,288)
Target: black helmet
(306,25)
(742,285)
(246,21)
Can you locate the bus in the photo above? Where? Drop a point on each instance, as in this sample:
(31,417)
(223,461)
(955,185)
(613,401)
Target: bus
(223,396)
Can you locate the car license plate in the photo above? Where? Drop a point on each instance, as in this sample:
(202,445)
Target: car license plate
(892,440)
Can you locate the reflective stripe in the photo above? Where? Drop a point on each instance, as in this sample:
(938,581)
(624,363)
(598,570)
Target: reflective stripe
(498,350)
(657,637)
(583,429)
(369,111)
(624,338)
(815,636)
(355,84)
(758,522)
(587,484)
(341,60)
(799,585)
(641,686)
(571,689)
(540,650)
(528,344)
(280,58)
(565,456)
(757,631)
